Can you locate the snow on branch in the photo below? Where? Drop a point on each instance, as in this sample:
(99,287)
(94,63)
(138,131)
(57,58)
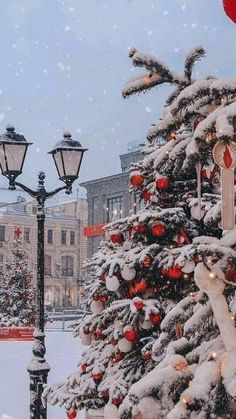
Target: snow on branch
(141,83)
(192,57)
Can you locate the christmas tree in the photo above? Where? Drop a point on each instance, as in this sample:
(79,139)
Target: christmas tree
(159,347)
(17,296)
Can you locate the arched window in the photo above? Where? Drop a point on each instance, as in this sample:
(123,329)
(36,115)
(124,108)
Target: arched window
(48,265)
(67,266)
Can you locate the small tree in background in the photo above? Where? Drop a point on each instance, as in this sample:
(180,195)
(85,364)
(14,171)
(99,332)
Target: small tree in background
(17,296)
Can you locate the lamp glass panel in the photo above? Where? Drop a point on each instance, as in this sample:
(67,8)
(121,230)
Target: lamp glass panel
(15,154)
(58,161)
(2,159)
(72,161)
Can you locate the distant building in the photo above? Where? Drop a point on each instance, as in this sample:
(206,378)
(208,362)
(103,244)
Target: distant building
(109,198)
(65,244)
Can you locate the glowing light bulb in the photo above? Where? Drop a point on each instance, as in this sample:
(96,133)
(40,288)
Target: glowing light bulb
(214,355)
(212,275)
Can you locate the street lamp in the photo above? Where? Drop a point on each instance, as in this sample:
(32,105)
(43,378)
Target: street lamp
(67,155)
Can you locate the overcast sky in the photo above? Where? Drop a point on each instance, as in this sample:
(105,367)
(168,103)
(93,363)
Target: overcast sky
(64,63)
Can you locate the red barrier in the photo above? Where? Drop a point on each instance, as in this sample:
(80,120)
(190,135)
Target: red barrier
(17,333)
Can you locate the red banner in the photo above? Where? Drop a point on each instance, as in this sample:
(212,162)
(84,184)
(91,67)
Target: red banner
(16,333)
(94,230)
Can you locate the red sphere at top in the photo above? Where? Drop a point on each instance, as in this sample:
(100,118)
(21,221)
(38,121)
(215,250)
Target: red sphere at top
(175,272)
(230,9)
(158,229)
(162,183)
(136,179)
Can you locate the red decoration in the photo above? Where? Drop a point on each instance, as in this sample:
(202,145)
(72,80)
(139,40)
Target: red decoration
(158,229)
(230,274)
(84,366)
(105,394)
(175,272)
(102,277)
(208,173)
(86,330)
(147,356)
(72,414)
(227,156)
(97,376)
(131,334)
(102,298)
(117,237)
(18,232)
(141,286)
(113,342)
(197,121)
(230,9)
(147,261)
(155,318)
(17,333)
(98,334)
(118,356)
(162,183)
(136,179)
(139,228)
(146,195)
(139,304)
(117,400)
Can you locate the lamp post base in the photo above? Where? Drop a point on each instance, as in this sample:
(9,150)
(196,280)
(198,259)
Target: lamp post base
(38,371)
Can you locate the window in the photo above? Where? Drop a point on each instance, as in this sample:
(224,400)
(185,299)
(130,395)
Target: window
(63,236)
(138,202)
(72,237)
(34,210)
(67,266)
(50,236)
(2,233)
(27,235)
(48,265)
(114,208)
(1,264)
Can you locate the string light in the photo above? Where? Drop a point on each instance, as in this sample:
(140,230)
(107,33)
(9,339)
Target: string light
(214,355)
(186,276)
(212,275)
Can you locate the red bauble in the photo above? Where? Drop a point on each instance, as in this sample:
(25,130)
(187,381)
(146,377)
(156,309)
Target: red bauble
(98,333)
(133,290)
(139,228)
(230,274)
(158,229)
(136,179)
(141,286)
(155,318)
(147,261)
(102,277)
(230,9)
(86,330)
(147,356)
(131,334)
(102,298)
(146,195)
(118,356)
(139,304)
(84,366)
(117,400)
(117,237)
(162,183)
(72,414)
(175,272)
(113,342)
(105,395)
(97,376)
(197,120)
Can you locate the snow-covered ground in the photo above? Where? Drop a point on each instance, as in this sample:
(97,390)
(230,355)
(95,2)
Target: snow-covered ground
(63,353)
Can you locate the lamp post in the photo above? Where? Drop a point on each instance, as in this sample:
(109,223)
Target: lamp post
(67,155)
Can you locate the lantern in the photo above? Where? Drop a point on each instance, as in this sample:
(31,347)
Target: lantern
(13,148)
(68,155)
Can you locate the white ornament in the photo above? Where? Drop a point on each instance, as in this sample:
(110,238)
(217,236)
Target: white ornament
(188,267)
(195,213)
(147,324)
(96,307)
(85,338)
(127,245)
(124,345)
(111,412)
(112,283)
(128,273)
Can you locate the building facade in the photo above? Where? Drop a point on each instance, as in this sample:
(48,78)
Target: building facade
(65,244)
(108,199)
